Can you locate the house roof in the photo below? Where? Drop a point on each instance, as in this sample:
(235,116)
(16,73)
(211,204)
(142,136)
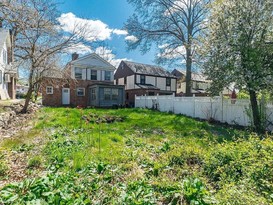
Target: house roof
(195,76)
(148,69)
(4,34)
(93,55)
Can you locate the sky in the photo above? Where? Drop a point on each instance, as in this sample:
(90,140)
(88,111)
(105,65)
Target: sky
(106,18)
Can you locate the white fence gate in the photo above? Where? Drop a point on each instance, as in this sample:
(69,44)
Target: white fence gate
(217,108)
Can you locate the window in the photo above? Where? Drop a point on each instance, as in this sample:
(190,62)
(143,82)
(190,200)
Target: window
(114,94)
(1,77)
(107,94)
(125,80)
(116,81)
(80,92)
(78,73)
(107,75)
(49,90)
(93,94)
(142,79)
(93,75)
(168,81)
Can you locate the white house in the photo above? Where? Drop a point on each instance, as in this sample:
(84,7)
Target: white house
(8,74)
(200,84)
(143,79)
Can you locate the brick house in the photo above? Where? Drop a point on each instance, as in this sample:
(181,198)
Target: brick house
(87,81)
(8,73)
(143,79)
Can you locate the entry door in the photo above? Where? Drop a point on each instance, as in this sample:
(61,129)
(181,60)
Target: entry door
(66,96)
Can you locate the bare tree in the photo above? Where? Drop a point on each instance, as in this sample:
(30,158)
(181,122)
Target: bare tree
(38,37)
(173,25)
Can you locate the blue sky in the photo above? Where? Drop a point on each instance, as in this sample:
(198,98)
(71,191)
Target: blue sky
(111,16)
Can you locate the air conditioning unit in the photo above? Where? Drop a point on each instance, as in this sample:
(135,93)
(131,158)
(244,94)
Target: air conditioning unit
(7,78)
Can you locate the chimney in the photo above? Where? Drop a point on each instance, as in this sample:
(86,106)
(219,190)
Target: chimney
(75,56)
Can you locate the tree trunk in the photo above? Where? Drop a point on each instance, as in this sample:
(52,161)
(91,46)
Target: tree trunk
(28,98)
(255,112)
(188,72)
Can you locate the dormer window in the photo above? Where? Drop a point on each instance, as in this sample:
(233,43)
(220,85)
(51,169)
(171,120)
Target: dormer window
(78,73)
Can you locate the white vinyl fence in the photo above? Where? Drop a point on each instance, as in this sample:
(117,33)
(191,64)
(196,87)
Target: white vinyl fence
(218,108)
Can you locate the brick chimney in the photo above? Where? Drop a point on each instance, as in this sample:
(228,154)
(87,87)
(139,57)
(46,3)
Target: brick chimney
(75,56)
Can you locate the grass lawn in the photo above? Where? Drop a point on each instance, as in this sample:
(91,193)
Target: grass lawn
(133,156)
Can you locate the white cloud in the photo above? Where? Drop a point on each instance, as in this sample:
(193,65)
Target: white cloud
(92,30)
(170,52)
(107,54)
(79,48)
(120,32)
(131,38)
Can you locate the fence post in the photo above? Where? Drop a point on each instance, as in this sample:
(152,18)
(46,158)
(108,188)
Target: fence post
(173,102)
(222,107)
(145,101)
(194,105)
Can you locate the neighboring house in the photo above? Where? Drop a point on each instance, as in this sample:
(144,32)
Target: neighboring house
(21,89)
(142,79)
(200,84)
(8,74)
(89,81)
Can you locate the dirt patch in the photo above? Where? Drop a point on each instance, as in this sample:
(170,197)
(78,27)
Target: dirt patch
(92,118)
(17,122)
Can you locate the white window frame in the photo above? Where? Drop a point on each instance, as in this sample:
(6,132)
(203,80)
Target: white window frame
(83,92)
(49,87)
(80,73)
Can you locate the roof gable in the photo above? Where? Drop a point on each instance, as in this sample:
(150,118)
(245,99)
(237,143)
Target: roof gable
(148,69)
(93,60)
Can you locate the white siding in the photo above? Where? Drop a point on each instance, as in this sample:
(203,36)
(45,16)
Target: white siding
(150,80)
(137,78)
(130,82)
(173,84)
(99,74)
(72,72)
(161,83)
(88,74)
(102,74)
(84,73)
(112,76)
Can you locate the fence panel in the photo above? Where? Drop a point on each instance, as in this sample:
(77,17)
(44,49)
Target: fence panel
(205,108)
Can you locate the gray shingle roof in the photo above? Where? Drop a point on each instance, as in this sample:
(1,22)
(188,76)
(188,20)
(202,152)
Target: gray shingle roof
(148,69)
(196,76)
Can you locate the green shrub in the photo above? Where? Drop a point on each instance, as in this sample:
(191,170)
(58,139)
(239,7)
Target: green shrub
(3,169)
(35,162)
(195,192)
